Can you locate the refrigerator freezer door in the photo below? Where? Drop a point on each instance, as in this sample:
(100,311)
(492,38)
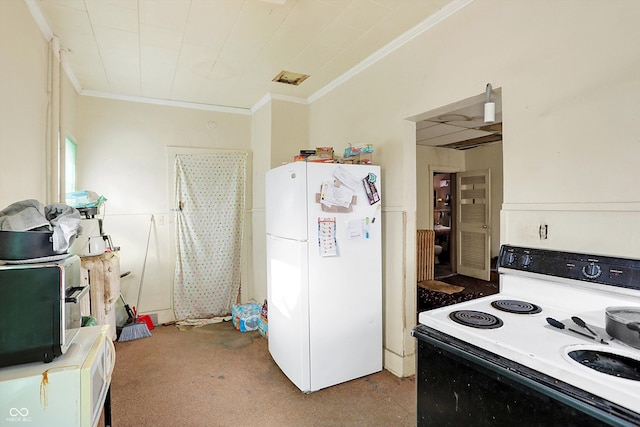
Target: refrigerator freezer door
(287,293)
(285,204)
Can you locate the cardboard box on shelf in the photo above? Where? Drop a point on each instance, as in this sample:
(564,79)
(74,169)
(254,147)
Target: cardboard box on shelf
(359,159)
(324,152)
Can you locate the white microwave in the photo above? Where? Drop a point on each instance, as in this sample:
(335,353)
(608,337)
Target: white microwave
(70,391)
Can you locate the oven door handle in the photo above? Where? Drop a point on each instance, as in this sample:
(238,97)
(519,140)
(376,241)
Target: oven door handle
(75,294)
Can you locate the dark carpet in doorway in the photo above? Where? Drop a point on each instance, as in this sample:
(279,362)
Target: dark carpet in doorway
(428,300)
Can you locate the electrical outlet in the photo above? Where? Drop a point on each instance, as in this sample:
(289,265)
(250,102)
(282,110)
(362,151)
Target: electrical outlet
(543,231)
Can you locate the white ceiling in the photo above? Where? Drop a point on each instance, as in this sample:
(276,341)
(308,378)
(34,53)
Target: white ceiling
(461,125)
(224,54)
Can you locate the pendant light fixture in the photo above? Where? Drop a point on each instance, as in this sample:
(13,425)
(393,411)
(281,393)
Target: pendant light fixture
(489,107)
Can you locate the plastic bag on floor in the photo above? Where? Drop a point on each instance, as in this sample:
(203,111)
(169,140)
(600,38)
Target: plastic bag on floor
(246,317)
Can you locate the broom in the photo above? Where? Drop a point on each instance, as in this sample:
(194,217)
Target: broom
(134,329)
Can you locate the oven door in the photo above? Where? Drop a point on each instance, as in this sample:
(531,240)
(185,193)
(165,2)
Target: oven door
(460,384)
(95,378)
(72,314)
(69,391)
(31,314)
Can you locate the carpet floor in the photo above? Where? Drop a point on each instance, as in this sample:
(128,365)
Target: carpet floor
(428,299)
(217,376)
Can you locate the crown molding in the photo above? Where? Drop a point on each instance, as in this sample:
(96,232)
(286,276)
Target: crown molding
(425,25)
(167,102)
(277,97)
(405,38)
(41,21)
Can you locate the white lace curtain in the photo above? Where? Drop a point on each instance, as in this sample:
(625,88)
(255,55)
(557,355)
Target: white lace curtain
(210,203)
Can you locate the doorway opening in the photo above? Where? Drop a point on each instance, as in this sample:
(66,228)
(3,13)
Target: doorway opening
(444,224)
(458,199)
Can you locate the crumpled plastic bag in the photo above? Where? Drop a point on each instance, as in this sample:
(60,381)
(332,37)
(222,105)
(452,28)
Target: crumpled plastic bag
(65,222)
(31,215)
(84,199)
(245,317)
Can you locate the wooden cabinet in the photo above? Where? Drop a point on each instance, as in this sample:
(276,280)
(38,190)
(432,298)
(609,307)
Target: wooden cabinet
(102,274)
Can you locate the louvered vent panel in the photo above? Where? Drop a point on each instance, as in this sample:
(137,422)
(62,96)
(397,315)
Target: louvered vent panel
(472,252)
(472,193)
(472,214)
(472,180)
(425,245)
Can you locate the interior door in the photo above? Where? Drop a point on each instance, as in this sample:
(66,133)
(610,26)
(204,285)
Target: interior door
(473,223)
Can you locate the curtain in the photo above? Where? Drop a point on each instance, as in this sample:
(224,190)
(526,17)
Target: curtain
(210,204)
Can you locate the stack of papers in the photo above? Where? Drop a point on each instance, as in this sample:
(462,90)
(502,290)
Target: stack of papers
(331,195)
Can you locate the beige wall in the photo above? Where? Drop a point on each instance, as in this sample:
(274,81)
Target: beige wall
(428,161)
(262,158)
(124,151)
(434,159)
(289,131)
(568,93)
(23,106)
(279,131)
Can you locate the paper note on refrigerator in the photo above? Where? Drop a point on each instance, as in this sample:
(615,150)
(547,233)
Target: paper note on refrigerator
(327,242)
(347,178)
(356,228)
(332,195)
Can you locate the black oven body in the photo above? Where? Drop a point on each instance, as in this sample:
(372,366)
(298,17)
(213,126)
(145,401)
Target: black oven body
(39,310)
(460,384)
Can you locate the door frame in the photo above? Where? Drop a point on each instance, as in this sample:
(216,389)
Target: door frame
(433,169)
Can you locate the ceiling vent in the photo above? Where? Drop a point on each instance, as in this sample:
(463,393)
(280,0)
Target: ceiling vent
(290,78)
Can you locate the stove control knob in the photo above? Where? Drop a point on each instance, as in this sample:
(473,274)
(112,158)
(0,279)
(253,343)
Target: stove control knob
(510,258)
(527,260)
(591,271)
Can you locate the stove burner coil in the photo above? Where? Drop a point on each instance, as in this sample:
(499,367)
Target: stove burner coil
(608,363)
(515,306)
(475,319)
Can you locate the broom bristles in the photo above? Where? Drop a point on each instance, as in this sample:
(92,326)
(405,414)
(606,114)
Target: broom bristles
(133,331)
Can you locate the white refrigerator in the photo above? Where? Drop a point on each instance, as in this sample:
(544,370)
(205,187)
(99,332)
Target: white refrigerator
(324,272)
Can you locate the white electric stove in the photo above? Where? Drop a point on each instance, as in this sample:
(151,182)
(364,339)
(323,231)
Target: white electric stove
(502,354)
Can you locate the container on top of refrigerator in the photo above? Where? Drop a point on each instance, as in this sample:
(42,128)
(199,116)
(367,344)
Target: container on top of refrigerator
(359,154)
